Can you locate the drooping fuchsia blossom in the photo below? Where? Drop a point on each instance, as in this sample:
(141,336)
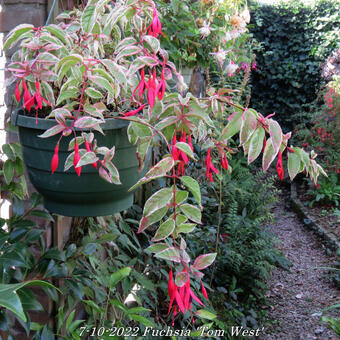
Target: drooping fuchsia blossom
(179,155)
(156,27)
(134,112)
(161,87)
(279,166)
(76,158)
(27,97)
(151,86)
(17,92)
(224,161)
(190,143)
(204,292)
(55,159)
(88,149)
(141,85)
(36,99)
(174,150)
(254,66)
(244,66)
(210,167)
(182,297)
(183,156)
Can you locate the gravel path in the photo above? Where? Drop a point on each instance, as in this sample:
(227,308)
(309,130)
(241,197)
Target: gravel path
(298,296)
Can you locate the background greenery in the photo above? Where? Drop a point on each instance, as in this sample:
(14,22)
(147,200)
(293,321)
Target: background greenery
(293,38)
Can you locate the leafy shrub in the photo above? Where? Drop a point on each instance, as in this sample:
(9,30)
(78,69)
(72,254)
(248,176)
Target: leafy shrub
(184,40)
(246,251)
(327,191)
(93,269)
(288,76)
(322,134)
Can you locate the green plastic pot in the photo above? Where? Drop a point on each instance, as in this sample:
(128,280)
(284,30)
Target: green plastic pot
(65,193)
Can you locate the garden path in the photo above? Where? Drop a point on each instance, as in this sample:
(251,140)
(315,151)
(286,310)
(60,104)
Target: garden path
(298,295)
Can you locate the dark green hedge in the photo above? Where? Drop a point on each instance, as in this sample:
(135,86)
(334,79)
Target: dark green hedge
(293,39)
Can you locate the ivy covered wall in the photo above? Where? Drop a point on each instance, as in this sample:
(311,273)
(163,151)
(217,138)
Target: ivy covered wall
(293,39)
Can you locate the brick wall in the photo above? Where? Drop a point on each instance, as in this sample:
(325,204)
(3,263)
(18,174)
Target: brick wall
(13,13)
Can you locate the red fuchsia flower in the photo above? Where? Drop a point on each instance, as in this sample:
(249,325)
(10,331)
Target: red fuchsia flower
(190,143)
(76,158)
(183,156)
(151,85)
(134,112)
(224,161)
(254,66)
(36,100)
(161,87)
(27,97)
(204,292)
(55,159)
(182,297)
(141,84)
(279,166)
(156,27)
(179,155)
(172,290)
(174,150)
(244,66)
(17,92)
(210,167)
(88,149)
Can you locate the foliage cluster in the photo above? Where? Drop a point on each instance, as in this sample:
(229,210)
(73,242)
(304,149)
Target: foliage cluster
(294,39)
(99,268)
(90,71)
(246,253)
(322,134)
(194,30)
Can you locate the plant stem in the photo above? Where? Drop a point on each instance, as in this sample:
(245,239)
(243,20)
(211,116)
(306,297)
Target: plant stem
(219,222)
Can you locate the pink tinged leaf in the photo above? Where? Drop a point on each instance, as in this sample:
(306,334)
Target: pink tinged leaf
(52,131)
(269,154)
(204,261)
(181,279)
(275,133)
(105,174)
(87,122)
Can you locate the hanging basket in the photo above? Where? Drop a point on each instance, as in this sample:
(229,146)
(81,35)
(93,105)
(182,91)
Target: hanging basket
(65,193)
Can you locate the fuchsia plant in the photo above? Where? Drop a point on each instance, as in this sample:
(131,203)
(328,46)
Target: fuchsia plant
(83,70)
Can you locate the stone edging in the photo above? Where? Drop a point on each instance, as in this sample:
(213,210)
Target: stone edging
(329,240)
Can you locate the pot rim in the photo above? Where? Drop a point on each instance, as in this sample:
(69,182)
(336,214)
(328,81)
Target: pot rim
(18,119)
